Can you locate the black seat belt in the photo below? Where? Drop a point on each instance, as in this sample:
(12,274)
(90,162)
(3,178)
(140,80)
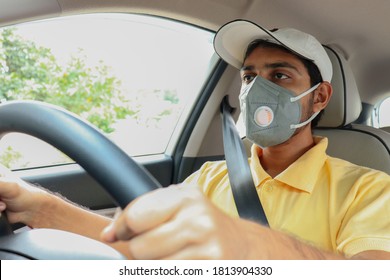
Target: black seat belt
(244,191)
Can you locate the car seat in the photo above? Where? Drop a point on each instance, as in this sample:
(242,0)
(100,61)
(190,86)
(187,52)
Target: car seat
(360,144)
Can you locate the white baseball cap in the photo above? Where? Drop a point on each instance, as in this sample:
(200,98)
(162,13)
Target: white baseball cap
(233,38)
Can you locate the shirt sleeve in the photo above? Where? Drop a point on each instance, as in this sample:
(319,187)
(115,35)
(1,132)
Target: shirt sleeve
(366,224)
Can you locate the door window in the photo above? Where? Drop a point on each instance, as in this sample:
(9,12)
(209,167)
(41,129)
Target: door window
(132,76)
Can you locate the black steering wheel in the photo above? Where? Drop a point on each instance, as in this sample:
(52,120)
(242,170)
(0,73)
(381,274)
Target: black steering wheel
(118,174)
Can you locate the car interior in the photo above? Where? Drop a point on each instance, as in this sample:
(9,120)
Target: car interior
(354,34)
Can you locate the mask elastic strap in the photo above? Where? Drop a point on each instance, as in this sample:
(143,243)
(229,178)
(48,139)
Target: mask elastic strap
(294,126)
(293,99)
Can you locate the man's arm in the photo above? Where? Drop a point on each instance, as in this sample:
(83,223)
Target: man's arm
(186,225)
(372,255)
(65,215)
(283,246)
(38,208)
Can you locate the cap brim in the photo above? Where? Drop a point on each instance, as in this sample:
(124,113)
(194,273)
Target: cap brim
(233,38)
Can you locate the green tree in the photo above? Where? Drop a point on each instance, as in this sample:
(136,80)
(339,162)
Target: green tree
(31,72)
(9,157)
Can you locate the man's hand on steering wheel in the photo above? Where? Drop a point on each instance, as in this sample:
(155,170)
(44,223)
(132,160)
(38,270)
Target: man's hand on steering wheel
(21,200)
(179,222)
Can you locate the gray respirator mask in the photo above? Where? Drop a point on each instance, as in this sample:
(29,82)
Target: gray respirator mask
(271,113)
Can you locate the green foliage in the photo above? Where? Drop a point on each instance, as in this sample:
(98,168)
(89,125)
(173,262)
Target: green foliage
(31,72)
(171,96)
(9,157)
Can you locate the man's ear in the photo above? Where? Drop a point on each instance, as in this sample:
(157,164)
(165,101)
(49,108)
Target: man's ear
(322,95)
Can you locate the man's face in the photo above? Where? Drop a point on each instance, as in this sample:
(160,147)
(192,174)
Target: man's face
(282,68)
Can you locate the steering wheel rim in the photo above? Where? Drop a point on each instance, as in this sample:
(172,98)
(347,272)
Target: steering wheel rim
(118,174)
(83,143)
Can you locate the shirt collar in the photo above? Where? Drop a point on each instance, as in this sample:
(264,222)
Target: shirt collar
(302,174)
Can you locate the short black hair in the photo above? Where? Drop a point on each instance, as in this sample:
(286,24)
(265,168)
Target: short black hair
(312,69)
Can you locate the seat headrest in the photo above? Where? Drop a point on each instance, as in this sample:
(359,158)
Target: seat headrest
(345,105)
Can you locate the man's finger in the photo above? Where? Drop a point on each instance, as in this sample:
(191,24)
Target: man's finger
(148,212)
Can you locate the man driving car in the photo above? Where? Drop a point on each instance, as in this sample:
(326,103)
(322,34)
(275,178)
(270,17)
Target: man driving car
(318,207)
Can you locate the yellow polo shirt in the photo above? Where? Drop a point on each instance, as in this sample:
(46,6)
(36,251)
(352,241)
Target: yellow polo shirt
(331,203)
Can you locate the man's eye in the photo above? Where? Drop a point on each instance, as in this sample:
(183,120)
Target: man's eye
(247,78)
(281,76)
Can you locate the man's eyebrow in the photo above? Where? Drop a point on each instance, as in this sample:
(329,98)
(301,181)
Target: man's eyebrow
(281,65)
(272,66)
(247,68)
